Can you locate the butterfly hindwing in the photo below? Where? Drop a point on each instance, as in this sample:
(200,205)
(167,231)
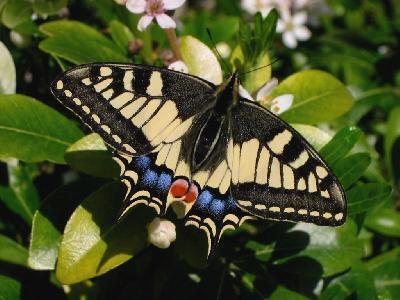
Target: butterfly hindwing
(277,174)
(133,107)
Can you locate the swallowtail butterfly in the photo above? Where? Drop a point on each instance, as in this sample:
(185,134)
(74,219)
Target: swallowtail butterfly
(181,139)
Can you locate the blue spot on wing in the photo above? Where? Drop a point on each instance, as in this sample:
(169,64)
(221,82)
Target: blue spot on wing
(164,182)
(204,199)
(217,207)
(142,162)
(149,178)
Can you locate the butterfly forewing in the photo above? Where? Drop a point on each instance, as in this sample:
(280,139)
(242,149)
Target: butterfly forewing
(134,108)
(277,174)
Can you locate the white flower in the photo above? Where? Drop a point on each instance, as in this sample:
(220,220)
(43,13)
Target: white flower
(154,9)
(262,6)
(179,66)
(293,28)
(277,105)
(161,233)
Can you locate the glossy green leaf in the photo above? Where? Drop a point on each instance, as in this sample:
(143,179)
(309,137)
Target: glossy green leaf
(121,35)
(12,252)
(31,131)
(336,249)
(351,168)
(318,97)
(385,221)
(48,7)
(392,135)
(200,60)
(7,71)
(359,281)
(386,271)
(341,144)
(79,43)
(49,222)
(10,288)
(363,197)
(21,196)
(315,136)
(16,12)
(93,241)
(91,156)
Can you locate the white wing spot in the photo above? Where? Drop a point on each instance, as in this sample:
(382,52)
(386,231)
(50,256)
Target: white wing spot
(102,85)
(128,80)
(260,206)
(302,211)
(300,161)
(244,203)
(155,87)
(275,175)
(314,213)
(327,215)
(121,100)
(59,85)
(117,138)
(86,81)
(339,216)
(289,210)
(68,93)
(129,148)
(321,172)
(108,94)
(105,71)
(312,183)
(325,194)
(274,209)
(96,118)
(106,128)
(77,101)
(86,109)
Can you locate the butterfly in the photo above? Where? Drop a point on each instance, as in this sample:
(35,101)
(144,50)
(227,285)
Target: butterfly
(182,140)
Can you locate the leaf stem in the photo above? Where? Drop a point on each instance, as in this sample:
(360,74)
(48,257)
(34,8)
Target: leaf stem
(173,42)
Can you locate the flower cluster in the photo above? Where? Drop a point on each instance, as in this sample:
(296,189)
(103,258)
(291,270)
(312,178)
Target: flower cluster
(294,15)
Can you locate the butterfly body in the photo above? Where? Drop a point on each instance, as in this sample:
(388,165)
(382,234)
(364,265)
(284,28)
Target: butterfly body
(180,139)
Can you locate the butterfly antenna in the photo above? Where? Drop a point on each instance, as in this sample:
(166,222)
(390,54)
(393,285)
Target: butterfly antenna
(262,67)
(218,54)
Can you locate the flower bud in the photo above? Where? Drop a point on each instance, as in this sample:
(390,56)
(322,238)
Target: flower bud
(161,233)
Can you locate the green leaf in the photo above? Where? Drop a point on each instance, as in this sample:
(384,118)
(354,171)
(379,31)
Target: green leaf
(363,197)
(386,271)
(315,136)
(351,168)
(7,77)
(93,241)
(121,35)
(281,293)
(32,132)
(91,156)
(16,12)
(21,196)
(261,252)
(49,222)
(12,252)
(48,7)
(318,97)
(392,135)
(385,221)
(341,144)
(79,43)
(336,249)
(10,288)
(200,60)
(359,281)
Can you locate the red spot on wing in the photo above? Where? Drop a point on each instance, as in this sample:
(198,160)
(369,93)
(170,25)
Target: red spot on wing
(192,194)
(179,188)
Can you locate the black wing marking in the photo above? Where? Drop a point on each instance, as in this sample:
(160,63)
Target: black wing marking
(277,174)
(133,107)
(215,209)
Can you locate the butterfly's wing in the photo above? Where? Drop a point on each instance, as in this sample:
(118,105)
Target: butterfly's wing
(149,178)
(277,174)
(133,107)
(215,209)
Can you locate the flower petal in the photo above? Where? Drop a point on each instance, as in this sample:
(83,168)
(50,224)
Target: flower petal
(136,6)
(302,33)
(266,89)
(289,39)
(165,21)
(144,22)
(280,27)
(179,66)
(299,18)
(282,103)
(172,4)
(244,93)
